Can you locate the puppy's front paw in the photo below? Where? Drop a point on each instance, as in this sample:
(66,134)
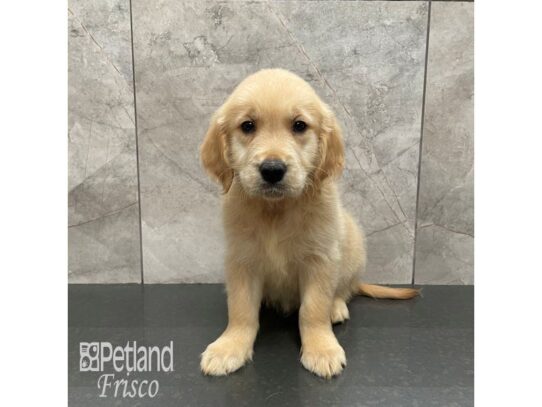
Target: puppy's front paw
(325,362)
(224,356)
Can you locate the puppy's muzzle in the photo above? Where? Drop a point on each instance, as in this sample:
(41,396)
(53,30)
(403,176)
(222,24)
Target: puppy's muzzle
(272,171)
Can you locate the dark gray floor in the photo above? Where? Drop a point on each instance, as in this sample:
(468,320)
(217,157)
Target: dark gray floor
(400,353)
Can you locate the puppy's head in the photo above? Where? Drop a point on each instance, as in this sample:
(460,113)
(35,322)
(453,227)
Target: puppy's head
(275,136)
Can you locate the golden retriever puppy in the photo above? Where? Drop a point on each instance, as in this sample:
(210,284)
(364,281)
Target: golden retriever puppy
(276,148)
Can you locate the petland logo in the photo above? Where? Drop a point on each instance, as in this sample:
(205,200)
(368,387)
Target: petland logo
(125,360)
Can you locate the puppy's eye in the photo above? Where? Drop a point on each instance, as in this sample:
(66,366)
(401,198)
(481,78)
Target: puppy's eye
(299,126)
(248,127)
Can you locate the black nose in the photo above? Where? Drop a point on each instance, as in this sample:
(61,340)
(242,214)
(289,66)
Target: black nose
(272,170)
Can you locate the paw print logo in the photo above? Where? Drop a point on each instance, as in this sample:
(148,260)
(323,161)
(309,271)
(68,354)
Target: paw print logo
(88,357)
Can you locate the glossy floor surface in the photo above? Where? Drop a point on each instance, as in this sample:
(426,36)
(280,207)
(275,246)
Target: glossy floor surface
(400,353)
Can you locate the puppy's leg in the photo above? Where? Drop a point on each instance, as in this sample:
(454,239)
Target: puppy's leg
(234,347)
(320,350)
(339,311)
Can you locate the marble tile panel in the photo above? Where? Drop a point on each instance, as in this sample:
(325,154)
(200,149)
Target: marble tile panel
(102,175)
(366,59)
(445,232)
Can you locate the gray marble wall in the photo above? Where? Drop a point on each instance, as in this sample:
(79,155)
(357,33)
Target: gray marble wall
(445,224)
(367,59)
(103,208)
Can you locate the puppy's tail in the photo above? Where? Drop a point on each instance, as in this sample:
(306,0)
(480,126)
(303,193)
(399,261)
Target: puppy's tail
(379,291)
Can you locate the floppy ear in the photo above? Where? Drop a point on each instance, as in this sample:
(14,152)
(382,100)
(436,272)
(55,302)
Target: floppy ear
(213,153)
(331,147)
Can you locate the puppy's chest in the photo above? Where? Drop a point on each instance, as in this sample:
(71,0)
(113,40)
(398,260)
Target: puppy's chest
(278,256)
(277,247)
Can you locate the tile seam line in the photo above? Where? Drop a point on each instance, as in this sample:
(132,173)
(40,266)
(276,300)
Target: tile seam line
(142,275)
(421,140)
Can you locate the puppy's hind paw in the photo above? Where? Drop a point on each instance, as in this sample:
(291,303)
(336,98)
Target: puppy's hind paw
(339,312)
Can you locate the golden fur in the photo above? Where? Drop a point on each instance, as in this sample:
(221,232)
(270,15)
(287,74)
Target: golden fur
(292,246)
